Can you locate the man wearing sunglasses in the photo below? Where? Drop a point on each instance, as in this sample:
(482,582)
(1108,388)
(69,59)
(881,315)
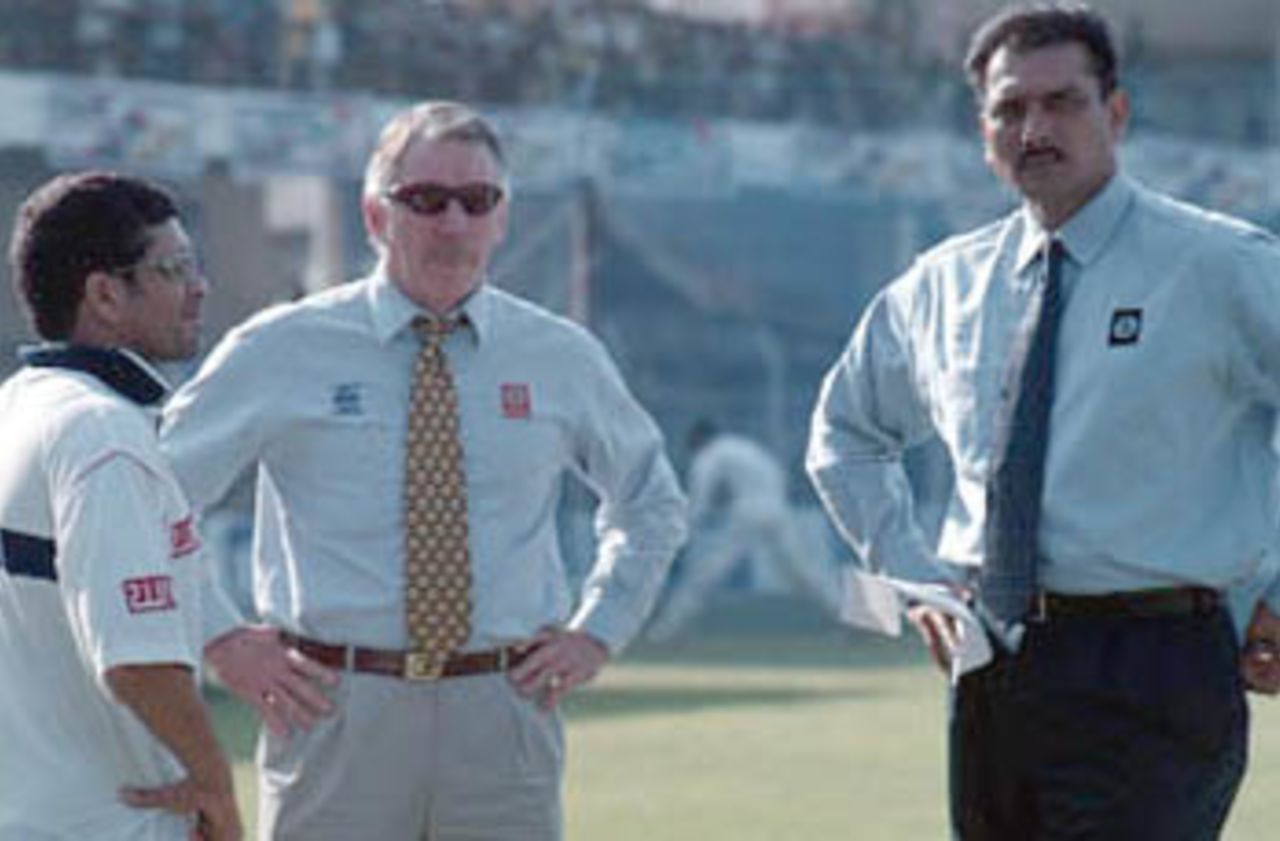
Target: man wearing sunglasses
(100,632)
(411,433)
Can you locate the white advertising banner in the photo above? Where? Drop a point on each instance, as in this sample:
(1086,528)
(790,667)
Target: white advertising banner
(137,126)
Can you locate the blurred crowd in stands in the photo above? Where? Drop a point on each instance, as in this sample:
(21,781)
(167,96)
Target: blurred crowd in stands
(619,57)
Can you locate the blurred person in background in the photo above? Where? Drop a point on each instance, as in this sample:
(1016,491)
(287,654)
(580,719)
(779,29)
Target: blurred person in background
(738,512)
(100,621)
(1103,366)
(411,432)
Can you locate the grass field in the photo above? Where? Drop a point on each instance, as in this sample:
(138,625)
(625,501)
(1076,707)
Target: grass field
(768,726)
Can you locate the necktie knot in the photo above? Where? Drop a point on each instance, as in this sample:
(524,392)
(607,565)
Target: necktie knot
(433,330)
(1055,252)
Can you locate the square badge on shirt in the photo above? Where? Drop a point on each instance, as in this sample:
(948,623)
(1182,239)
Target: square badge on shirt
(1126,327)
(517,403)
(149,594)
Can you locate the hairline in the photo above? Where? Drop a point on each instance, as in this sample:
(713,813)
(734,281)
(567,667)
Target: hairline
(1021,30)
(443,122)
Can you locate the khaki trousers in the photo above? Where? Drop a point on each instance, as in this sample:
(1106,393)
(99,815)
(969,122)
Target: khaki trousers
(460,759)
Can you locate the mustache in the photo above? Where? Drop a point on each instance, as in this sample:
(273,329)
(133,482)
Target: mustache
(452,250)
(1037,154)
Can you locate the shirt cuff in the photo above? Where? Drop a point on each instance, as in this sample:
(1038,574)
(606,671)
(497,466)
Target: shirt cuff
(219,615)
(614,632)
(145,655)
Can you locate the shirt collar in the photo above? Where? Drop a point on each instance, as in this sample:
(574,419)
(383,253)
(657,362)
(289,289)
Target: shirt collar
(123,370)
(1087,232)
(393,312)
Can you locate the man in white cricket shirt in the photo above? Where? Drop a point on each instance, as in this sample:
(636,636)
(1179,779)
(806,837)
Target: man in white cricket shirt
(103,732)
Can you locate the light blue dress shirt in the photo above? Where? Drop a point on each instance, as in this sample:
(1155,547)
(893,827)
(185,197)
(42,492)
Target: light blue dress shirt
(316,394)
(1160,470)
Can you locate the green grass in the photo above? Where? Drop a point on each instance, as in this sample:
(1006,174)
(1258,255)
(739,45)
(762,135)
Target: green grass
(798,732)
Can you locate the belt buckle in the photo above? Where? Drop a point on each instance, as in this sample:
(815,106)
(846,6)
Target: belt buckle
(1039,607)
(422,666)
(1205,601)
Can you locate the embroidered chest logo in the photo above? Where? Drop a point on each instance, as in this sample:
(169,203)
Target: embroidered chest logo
(348,399)
(150,594)
(516,401)
(1126,327)
(183,539)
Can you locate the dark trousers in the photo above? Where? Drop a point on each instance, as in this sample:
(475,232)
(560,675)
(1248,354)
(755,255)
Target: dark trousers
(1102,728)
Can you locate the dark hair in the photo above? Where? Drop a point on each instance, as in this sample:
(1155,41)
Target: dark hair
(72,226)
(1030,27)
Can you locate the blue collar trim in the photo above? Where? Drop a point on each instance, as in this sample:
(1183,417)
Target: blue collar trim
(117,369)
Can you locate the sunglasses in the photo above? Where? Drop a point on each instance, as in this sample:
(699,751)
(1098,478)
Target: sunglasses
(429,199)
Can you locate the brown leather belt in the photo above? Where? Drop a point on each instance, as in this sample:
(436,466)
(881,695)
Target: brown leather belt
(1141,604)
(409,665)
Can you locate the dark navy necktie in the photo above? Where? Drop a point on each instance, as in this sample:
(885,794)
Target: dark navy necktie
(1016,480)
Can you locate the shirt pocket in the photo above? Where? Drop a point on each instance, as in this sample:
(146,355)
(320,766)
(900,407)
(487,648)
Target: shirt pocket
(354,444)
(515,431)
(342,440)
(505,453)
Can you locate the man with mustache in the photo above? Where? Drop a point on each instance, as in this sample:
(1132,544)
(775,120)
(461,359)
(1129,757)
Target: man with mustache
(1103,366)
(411,433)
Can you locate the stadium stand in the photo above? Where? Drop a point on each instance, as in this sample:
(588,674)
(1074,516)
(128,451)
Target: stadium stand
(620,57)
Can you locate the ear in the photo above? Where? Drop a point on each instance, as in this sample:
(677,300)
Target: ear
(988,135)
(104,295)
(101,307)
(985,131)
(1118,112)
(375,216)
(500,221)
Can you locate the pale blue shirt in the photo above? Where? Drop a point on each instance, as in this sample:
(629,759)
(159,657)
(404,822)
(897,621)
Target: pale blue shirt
(1159,470)
(316,394)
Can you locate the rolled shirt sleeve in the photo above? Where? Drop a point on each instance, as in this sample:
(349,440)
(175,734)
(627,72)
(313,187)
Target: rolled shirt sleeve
(1256,307)
(212,432)
(641,521)
(867,414)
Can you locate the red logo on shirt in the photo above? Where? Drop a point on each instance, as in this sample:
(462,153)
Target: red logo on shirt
(183,539)
(516,402)
(149,594)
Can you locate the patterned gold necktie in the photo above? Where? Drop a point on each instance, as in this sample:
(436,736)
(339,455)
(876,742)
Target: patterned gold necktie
(437,562)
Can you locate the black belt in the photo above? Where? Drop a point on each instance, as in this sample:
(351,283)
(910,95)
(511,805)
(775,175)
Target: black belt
(1138,604)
